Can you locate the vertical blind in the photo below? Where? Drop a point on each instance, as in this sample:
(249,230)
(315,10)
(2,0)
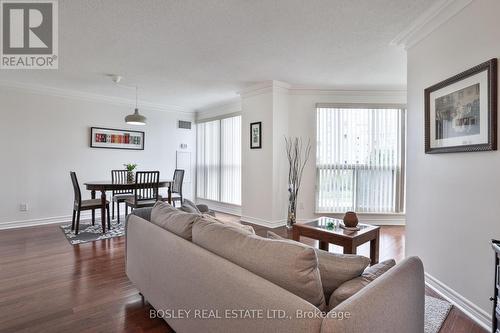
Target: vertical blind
(219,160)
(359,160)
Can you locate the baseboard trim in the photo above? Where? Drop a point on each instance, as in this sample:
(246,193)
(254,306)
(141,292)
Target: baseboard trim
(42,221)
(264,223)
(474,312)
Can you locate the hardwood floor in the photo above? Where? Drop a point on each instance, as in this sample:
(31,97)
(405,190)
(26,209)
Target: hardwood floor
(47,285)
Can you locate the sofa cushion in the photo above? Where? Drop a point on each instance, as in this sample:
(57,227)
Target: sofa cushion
(292,266)
(173,220)
(351,287)
(334,268)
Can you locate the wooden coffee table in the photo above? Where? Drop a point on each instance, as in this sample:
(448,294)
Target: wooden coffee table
(327,230)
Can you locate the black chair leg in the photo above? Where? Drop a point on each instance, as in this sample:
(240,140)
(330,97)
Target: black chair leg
(118,211)
(73,220)
(93,216)
(77,222)
(113,210)
(109,220)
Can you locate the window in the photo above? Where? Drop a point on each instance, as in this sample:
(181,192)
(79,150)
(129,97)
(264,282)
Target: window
(219,160)
(360,159)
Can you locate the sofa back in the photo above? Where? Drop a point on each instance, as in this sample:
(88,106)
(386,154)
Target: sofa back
(290,265)
(175,274)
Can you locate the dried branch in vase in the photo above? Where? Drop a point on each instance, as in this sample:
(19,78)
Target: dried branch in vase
(298,153)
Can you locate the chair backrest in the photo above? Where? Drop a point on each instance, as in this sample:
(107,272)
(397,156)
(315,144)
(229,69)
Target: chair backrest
(76,189)
(120,177)
(146,185)
(178,180)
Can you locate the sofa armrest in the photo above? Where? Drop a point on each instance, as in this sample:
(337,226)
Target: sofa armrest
(143,213)
(393,303)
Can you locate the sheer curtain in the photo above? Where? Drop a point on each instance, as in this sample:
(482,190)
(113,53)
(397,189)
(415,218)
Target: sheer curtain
(219,160)
(359,159)
(231,160)
(208,157)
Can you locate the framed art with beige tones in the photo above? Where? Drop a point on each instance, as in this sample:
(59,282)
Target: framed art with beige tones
(461,112)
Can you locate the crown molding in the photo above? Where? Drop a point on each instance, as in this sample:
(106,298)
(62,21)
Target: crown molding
(229,106)
(264,88)
(428,22)
(74,94)
(349,93)
(227,103)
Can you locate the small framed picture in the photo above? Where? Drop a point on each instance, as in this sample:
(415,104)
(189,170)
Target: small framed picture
(461,112)
(116,138)
(256,135)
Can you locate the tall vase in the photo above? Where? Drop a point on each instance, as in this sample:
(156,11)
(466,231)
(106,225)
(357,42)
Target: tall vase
(130,176)
(292,209)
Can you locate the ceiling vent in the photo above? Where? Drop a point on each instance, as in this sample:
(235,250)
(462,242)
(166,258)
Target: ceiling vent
(184,124)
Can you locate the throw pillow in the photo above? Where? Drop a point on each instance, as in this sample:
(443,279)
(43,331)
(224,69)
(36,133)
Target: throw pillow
(189,207)
(290,265)
(334,268)
(351,287)
(173,220)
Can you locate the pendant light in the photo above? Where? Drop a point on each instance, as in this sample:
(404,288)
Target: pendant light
(135,118)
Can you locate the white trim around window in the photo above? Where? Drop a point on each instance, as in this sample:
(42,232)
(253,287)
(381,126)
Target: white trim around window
(360,158)
(218,160)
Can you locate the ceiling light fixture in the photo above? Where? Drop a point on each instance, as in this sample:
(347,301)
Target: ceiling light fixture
(135,118)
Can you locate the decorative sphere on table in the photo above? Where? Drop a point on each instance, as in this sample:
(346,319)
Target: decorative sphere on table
(350,219)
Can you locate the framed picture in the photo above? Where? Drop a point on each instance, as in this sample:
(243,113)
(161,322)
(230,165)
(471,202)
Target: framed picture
(461,112)
(116,138)
(256,135)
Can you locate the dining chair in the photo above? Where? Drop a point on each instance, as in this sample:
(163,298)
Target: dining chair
(82,205)
(145,190)
(119,196)
(177,186)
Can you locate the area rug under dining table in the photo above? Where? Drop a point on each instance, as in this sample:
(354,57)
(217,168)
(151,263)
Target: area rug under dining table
(91,233)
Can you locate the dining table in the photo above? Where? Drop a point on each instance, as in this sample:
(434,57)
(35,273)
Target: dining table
(107,185)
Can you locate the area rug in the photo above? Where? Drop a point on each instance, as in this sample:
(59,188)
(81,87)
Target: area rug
(89,233)
(436,311)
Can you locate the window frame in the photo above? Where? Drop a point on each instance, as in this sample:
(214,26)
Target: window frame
(206,120)
(400,188)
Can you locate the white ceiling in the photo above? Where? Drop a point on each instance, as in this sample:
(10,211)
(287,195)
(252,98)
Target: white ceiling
(193,53)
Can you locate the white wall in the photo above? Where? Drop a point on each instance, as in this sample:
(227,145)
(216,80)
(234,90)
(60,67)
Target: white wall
(257,164)
(44,137)
(302,123)
(287,112)
(453,207)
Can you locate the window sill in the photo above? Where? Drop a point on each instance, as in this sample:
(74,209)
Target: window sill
(220,206)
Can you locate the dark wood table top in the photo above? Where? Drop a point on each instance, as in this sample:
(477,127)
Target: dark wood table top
(108,185)
(333,226)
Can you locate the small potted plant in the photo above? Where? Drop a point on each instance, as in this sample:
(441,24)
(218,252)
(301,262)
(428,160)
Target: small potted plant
(130,171)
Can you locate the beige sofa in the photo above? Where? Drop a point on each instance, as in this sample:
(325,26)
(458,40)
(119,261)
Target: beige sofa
(195,290)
